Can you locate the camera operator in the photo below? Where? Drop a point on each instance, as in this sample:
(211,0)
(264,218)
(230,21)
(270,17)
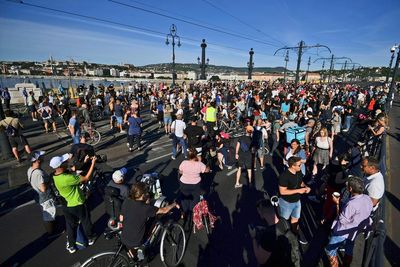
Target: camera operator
(79,152)
(274,245)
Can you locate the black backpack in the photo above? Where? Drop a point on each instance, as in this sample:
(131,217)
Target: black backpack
(10,130)
(288,244)
(257,140)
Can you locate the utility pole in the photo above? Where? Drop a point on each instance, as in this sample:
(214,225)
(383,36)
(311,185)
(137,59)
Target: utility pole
(332,63)
(250,64)
(301,48)
(173,36)
(308,68)
(344,70)
(203,63)
(322,73)
(286,61)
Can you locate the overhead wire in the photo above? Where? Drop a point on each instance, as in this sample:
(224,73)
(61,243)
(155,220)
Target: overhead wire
(243,22)
(190,18)
(161,34)
(192,23)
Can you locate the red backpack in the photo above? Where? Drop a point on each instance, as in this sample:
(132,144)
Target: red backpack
(199,210)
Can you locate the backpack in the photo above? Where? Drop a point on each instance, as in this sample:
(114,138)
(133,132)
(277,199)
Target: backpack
(257,140)
(243,146)
(79,118)
(199,210)
(10,130)
(58,199)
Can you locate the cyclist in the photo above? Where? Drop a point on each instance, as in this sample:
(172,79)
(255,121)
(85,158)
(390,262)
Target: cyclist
(135,213)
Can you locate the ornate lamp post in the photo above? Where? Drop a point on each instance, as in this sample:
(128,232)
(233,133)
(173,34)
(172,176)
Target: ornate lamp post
(203,64)
(172,35)
(286,61)
(250,64)
(392,50)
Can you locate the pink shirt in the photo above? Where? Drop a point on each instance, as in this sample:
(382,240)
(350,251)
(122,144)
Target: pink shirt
(191,171)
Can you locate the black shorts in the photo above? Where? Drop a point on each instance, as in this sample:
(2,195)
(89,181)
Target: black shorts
(15,139)
(32,108)
(245,161)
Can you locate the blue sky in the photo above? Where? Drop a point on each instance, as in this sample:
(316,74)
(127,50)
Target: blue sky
(363,30)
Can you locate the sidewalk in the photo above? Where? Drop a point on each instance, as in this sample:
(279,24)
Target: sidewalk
(392,241)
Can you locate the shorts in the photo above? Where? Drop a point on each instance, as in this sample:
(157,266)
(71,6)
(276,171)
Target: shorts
(119,120)
(167,120)
(245,162)
(48,119)
(48,210)
(337,241)
(32,108)
(289,209)
(260,152)
(15,139)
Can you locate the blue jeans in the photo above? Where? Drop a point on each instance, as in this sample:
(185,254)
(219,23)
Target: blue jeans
(75,139)
(288,209)
(348,122)
(335,242)
(182,142)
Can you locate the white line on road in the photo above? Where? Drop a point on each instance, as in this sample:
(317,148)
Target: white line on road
(232,172)
(157,158)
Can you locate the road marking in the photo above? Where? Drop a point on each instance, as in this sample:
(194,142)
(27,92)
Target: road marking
(157,158)
(161,147)
(232,172)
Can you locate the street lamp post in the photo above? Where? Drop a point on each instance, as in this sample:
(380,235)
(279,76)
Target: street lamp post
(396,68)
(344,70)
(203,64)
(250,64)
(392,51)
(173,36)
(286,61)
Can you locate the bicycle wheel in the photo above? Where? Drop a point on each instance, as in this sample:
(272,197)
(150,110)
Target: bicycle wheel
(107,259)
(173,245)
(94,138)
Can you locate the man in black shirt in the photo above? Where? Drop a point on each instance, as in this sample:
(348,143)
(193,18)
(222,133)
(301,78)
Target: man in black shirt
(135,213)
(274,245)
(291,186)
(244,156)
(80,151)
(194,134)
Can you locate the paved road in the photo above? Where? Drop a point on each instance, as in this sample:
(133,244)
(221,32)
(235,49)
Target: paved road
(229,245)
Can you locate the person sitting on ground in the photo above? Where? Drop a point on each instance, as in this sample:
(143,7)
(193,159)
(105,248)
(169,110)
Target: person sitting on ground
(118,179)
(135,213)
(274,245)
(351,218)
(13,128)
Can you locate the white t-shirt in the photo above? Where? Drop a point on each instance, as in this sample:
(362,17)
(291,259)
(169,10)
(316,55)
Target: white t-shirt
(179,127)
(375,185)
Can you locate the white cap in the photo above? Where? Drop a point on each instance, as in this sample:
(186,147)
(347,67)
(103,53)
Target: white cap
(56,162)
(118,175)
(35,155)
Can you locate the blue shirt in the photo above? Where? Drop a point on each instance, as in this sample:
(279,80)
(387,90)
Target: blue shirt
(285,107)
(73,122)
(134,126)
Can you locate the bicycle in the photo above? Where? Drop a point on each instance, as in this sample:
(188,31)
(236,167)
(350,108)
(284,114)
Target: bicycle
(94,135)
(170,235)
(22,111)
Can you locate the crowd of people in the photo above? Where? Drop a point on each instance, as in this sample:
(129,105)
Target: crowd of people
(300,126)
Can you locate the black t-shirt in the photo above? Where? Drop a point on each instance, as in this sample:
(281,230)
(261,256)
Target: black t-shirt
(136,214)
(291,181)
(194,134)
(273,240)
(79,152)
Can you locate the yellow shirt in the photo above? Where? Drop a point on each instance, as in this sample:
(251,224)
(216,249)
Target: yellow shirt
(211,114)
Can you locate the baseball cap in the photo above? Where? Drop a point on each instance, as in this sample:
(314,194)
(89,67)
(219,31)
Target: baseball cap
(118,175)
(35,155)
(56,162)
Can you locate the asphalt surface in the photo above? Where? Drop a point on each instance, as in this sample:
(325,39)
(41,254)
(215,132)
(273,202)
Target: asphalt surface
(24,243)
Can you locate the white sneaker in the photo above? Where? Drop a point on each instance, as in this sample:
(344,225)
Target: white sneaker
(122,132)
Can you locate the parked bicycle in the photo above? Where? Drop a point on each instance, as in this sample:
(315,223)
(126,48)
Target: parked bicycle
(167,234)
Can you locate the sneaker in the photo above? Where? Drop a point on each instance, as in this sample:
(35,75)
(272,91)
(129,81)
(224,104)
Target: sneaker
(238,185)
(130,149)
(71,249)
(229,167)
(172,157)
(91,241)
(34,120)
(303,241)
(127,144)
(122,132)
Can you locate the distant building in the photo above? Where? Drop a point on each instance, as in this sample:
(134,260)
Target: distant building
(114,72)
